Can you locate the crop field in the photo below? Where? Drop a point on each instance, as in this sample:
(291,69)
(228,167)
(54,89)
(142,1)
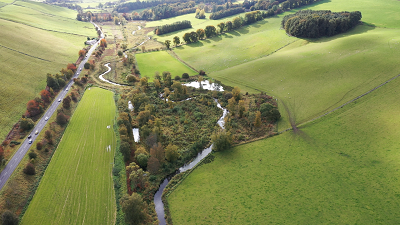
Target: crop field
(28,54)
(77,186)
(149,63)
(341,169)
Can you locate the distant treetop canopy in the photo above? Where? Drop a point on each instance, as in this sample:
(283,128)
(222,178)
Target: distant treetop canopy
(314,24)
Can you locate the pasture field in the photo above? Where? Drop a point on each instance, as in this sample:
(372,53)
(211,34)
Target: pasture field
(341,169)
(77,186)
(149,63)
(48,9)
(236,47)
(312,77)
(28,54)
(39,19)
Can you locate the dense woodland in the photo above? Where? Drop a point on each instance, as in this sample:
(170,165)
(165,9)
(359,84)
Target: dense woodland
(179,25)
(314,24)
(226,13)
(164,11)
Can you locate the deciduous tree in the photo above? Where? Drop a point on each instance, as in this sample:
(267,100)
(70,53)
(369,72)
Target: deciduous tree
(176,40)
(167,43)
(9,218)
(221,141)
(133,208)
(171,153)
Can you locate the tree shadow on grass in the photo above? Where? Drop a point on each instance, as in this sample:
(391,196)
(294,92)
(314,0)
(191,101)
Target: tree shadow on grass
(195,45)
(225,35)
(243,30)
(359,29)
(216,38)
(258,24)
(234,32)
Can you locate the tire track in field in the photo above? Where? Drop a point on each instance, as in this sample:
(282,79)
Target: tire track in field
(24,53)
(48,14)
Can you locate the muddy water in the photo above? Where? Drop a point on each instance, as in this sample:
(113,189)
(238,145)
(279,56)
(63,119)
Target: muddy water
(159,205)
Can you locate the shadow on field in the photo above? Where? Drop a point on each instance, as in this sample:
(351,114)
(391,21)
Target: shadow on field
(243,30)
(226,36)
(195,45)
(259,23)
(234,32)
(359,29)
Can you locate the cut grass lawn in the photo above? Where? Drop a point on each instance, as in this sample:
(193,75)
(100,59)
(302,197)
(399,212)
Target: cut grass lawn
(77,186)
(149,63)
(341,169)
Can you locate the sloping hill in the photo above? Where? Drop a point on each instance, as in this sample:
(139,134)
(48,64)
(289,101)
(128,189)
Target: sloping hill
(29,51)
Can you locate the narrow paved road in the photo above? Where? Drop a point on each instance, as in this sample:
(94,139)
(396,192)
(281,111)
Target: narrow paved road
(24,147)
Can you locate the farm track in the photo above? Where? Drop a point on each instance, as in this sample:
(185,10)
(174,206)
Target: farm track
(171,52)
(24,53)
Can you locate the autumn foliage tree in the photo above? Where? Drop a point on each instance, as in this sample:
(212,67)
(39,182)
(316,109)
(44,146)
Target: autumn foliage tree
(1,153)
(45,95)
(33,108)
(103,43)
(72,67)
(61,118)
(29,169)
(82,53)
(67,102)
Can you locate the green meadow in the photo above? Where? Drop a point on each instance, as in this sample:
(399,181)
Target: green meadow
(39,19)
(23,45)
(77,186)
(341,169)
(151,62)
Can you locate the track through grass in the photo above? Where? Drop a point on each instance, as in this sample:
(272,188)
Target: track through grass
(77,186)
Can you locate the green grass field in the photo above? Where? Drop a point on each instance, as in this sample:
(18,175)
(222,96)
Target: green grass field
(39,19)
(25,75)
(318,74)
(341,169)
(77,186)
(151,62)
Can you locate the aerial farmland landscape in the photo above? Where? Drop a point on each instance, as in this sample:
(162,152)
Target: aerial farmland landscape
(199,112)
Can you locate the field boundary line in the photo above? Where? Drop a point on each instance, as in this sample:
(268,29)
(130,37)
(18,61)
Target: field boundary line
(24,53)
(353,100)
(172,53)
(43,28)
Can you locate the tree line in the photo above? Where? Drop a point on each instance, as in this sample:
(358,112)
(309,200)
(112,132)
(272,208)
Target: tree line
(314,24)
(226,13)
(163,11)
(167,28)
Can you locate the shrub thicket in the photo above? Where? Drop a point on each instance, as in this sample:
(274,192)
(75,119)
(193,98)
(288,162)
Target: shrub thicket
(167,28)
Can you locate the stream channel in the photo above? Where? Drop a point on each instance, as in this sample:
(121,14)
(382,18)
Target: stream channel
(159,205)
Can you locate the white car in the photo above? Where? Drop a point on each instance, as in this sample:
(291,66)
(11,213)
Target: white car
(30,141)
(36,132)
(66,89)
(46,118)
(59,100)
(80,69)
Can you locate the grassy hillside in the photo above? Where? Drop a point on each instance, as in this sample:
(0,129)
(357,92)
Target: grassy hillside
(312,77)
(77,186)
(29,53)
(151,62)
(341,169)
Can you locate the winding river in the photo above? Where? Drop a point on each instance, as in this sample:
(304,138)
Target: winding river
(159,205)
